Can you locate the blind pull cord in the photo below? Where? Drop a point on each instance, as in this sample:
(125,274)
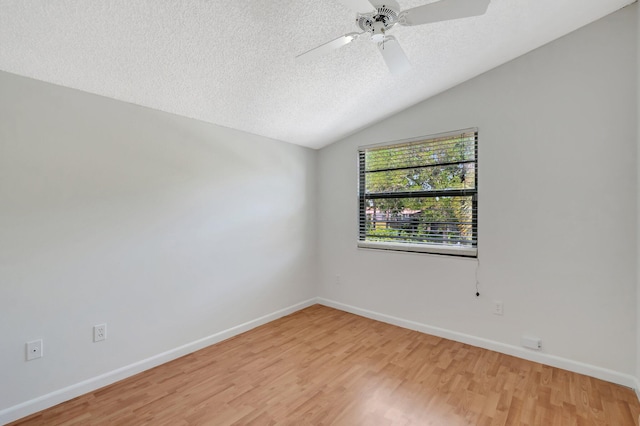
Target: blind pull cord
(477,281)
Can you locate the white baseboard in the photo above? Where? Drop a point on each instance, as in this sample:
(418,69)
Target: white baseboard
(547,359)
(49,400)
(33,406)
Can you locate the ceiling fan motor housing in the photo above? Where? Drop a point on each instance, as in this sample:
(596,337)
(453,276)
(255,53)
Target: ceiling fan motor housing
(377,23)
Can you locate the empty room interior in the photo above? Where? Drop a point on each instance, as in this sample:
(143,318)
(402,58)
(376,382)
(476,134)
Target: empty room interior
(232,212)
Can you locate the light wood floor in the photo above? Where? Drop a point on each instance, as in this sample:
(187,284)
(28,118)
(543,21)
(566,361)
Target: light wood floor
(321,366)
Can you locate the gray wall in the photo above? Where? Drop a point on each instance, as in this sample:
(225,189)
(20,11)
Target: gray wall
(557,199)
(638,210)
(166,228)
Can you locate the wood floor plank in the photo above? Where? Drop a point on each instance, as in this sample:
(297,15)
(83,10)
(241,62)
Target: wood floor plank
(321,366)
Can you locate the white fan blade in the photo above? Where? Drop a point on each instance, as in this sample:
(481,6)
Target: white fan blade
(328,47)
(394,56)
(443,10)
(362,6)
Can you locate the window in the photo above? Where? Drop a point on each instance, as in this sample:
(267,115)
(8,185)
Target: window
(420,195)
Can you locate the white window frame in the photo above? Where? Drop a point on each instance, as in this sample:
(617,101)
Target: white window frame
(438,249)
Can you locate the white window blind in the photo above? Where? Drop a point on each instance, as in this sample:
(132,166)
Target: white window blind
(420,195)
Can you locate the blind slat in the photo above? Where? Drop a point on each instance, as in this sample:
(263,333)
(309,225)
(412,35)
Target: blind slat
(422,153)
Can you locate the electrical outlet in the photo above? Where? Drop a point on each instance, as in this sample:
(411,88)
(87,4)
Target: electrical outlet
(498,308)
(338,280)
(34,349)
(531,342)
(99,332)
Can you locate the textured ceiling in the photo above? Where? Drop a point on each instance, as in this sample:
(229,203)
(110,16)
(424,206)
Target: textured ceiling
(232,62)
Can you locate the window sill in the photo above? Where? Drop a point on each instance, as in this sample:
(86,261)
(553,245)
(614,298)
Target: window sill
(420,248)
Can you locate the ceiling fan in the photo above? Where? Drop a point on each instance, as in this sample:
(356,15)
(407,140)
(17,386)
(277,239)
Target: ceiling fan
(376,17)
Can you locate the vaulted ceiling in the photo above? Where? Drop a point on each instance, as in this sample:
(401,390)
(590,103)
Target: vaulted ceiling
(232,62)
